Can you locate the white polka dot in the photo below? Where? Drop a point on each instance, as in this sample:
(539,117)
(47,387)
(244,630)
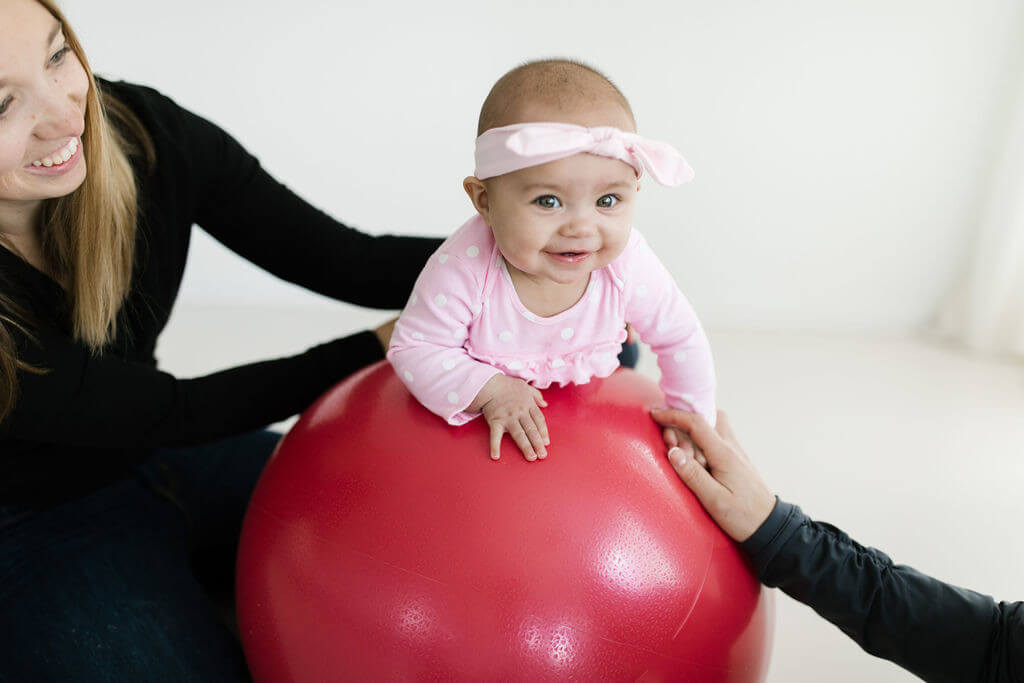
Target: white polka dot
(453,398)
(448,363)
(417,335)
(567,333)
(641,290)
(475,309)
(407,375)
(473,251)
(515,365)
(440,299)
(413,299)
(442,258)
(664,325)
(505,336)
(687,397)
(679,356)
(558,363)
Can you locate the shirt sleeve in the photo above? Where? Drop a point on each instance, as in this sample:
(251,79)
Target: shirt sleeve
(936,631)
(664,319)
(237,202)
(81,399)
(428,347)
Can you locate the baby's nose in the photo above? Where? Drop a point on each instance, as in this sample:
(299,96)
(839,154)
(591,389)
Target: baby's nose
(578,225)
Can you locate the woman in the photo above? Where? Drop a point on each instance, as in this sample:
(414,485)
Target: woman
(100,184)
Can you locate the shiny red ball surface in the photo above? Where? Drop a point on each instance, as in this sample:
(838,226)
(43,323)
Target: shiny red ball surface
(382,544)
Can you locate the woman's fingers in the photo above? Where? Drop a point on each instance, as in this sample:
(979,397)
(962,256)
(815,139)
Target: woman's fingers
(696,426)
(708,491)
(701,459)
(724,427)
(670,436)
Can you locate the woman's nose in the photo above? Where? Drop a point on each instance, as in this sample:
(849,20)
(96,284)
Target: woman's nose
(62,113)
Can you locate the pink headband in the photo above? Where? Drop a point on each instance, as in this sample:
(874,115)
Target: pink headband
(521,145)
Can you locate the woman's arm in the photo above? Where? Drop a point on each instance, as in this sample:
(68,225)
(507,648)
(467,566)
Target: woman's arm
(223,188)
(87,400)
(937,631)
(934,630)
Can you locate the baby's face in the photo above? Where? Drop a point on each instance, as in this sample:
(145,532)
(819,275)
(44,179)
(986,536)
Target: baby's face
(559,221)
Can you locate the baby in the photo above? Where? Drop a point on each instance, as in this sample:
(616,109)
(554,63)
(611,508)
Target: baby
(536,288)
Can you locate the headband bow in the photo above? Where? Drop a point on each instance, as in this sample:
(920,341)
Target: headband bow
(521,145)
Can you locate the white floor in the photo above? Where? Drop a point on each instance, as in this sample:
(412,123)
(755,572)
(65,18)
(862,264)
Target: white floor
(910,447)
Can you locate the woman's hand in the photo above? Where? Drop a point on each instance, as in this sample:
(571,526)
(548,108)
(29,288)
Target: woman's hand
(732,492)
(512,406)
(677,438)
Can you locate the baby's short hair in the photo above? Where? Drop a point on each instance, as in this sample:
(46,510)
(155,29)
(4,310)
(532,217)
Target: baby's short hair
(560,82)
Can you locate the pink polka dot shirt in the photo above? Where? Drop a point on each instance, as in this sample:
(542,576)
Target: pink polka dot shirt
(464,323)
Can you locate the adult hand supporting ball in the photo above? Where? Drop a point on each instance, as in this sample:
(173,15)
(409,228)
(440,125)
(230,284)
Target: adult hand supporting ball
(732,492)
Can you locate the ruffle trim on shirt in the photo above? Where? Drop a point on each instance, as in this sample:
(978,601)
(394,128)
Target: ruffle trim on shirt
(577,367)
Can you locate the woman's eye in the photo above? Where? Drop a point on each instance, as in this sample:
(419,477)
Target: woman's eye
(6,103)
(548,201)
(608,201)
(58,56)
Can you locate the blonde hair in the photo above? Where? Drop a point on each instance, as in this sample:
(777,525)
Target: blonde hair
(88,236)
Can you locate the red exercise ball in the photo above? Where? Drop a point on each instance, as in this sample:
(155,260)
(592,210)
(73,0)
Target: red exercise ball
(382,544)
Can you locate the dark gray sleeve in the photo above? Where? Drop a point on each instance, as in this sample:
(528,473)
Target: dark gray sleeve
(932,629)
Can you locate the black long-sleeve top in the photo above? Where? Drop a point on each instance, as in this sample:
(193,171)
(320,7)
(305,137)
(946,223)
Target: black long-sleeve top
(80,424)
(934,630)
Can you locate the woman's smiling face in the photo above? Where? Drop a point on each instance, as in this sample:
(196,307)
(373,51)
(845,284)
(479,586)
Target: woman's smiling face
(43,89)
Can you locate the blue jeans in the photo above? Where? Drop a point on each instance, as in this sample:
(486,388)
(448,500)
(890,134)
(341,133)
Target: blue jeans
(118,585)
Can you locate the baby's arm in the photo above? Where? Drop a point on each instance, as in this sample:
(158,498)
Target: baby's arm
(428,353)
(665,320)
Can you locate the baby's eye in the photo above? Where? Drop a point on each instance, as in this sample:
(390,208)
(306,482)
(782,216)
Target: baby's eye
(608,201)
(548,201)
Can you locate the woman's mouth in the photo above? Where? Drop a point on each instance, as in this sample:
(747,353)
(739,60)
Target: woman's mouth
(60,159)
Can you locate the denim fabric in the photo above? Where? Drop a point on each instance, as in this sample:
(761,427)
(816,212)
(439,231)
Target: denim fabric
(117,585)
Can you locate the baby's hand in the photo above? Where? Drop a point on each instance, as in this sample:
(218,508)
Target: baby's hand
(511,405)
(678,438)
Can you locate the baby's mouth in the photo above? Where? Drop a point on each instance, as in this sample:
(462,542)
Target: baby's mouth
(569,256)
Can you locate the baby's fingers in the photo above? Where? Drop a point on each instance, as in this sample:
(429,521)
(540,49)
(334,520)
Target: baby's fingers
(497,431)
(522,440)
(542,425)
(671,437)
(538,397)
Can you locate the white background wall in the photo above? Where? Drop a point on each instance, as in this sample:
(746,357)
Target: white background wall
(841,148)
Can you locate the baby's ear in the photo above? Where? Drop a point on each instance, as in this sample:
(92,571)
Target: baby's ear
(477,192)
